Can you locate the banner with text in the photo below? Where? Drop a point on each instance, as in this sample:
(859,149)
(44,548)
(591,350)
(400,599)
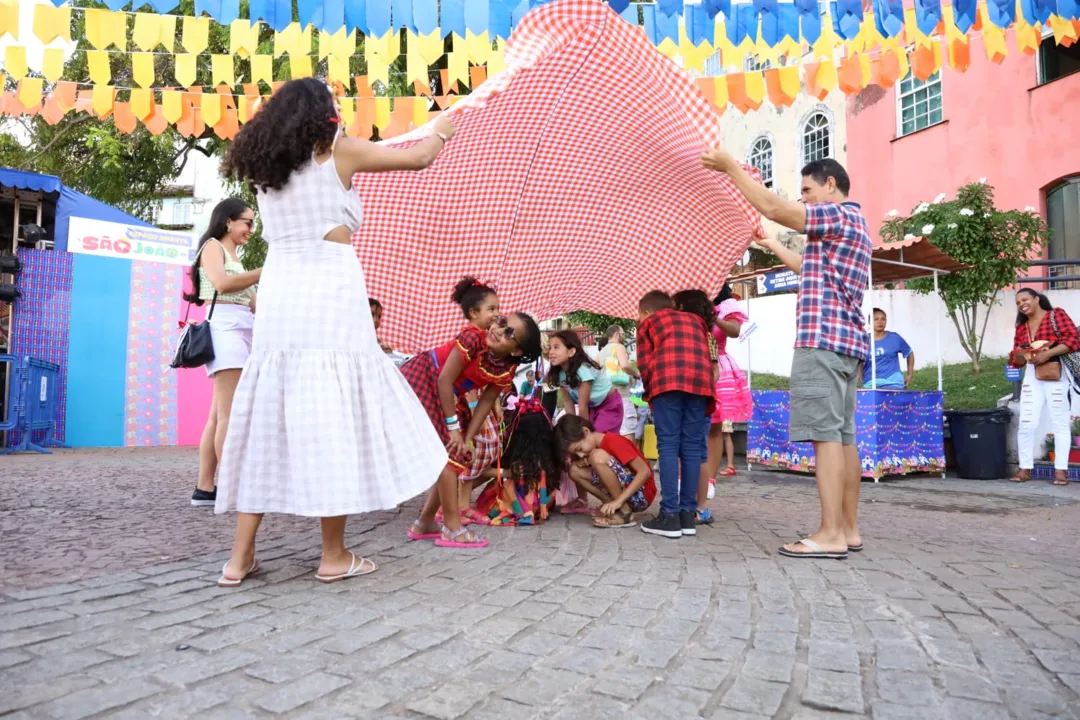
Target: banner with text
(130,242)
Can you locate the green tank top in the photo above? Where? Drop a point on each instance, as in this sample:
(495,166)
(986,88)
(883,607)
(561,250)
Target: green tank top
(232,267)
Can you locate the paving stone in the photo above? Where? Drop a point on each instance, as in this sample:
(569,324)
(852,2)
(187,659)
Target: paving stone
(669,701)
(963,683)
(775,641)
(899,655)
(585,661)
(47,668)
(33,618)
(830,690)
(452,700)
(539,642)
(349,642)
(590,706)
(882,710)
(626,682)
(1059,661)
(701,674)
(838,656)
(769,665)
(656,653)
(301,691)
(537,688)
(962,709)
(192,702)
(17,697)
(199,668)
(282,668)
(907,688)
(94,700)
(754,696)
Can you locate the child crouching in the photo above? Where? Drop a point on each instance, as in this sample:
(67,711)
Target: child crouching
(608,466)
(528,476)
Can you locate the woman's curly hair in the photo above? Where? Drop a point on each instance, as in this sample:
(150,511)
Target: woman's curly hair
(297,123)
(530,449)
(696,302)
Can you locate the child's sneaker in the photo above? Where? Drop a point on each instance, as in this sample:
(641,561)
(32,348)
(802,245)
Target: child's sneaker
(688,522)
(665,525)
(712,489)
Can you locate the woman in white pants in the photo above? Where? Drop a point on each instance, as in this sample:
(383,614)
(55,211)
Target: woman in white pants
(1043,335)
(217,277)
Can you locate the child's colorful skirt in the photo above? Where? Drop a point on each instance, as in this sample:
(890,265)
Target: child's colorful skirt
(607,417)
(507,502)
(637,501)
(485,451)
(733,401)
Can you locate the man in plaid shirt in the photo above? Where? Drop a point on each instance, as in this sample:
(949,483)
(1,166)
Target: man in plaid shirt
(831,343)
(673,358)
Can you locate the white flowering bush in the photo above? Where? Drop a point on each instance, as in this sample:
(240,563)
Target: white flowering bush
(996,244)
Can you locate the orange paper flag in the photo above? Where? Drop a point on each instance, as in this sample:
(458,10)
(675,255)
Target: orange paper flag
(959,55)
(706,87)
(228,126)
(736,87)
(777,86)
(922,62)
(123,118)
(886,69)
(64,92)
(156,123)
(52,113)
(365,117)
(477,75)
(363,87)
(850,78)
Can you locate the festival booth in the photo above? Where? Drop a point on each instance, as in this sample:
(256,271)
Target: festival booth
(100,296)
(897,431)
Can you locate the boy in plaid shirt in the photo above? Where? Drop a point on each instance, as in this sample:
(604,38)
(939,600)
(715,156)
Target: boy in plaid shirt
(673,358)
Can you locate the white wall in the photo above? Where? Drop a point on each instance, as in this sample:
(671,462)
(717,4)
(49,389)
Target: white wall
(769,348)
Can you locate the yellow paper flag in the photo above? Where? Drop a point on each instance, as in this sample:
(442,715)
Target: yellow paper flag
(15,61)
(9,21)
(826,79)
(497,62)
(789,81)
(104,28)
(721,92)
(299,66)
(52,64)
(142,103)
(185,69)
(457,65)
(103,100)
(195,35)
(147,32)
(292,40)
(222,70)
(98,63)
(430,46)
(211,108)
(341,44)
(416,67)
(337,69)
(994,41)
(243,38)
(30,91)
(378,69)
(827,43)
(142,69)
(755,89)
(479,47)
(382,113)
(1063,29)
(51,23)
(420,111)
(172,105)
(347,106)
(262,68)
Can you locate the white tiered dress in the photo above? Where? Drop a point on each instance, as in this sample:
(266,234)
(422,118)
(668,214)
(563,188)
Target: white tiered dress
(322,423)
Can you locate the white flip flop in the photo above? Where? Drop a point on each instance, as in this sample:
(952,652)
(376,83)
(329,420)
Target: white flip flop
(229,582)
(356,569)
(816,552)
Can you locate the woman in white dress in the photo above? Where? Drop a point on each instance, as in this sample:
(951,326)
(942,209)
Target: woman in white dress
(323,425)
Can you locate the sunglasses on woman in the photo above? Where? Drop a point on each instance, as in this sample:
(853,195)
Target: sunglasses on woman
(502,322)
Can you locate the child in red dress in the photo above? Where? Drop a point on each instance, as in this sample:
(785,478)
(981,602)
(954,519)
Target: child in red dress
(484,356)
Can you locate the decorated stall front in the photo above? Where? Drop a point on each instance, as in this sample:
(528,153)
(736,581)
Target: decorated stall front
(897,431)
(100,296)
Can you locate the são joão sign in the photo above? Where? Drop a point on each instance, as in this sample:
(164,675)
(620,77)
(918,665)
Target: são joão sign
(130,242)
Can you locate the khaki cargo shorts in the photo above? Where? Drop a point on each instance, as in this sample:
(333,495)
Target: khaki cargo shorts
(823,387)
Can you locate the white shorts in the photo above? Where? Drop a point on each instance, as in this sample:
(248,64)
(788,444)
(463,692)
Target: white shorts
(230,329)
(629,418)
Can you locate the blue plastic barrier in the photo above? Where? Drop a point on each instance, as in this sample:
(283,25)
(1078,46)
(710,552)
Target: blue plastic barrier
(10,420)
(35,393)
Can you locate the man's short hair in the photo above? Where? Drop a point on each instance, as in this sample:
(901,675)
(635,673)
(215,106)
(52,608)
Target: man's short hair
(825,168)
(655,300)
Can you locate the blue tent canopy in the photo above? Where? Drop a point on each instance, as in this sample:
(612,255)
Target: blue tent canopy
(69,203)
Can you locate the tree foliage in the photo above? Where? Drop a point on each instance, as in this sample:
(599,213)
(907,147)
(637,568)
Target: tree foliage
(997,245)
(599,324)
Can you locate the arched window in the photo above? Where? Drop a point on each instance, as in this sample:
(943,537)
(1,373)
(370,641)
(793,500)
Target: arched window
(1063,220)
(761,157)
(816,138)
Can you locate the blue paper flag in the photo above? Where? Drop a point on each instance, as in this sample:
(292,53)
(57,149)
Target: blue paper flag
(670,7)
(210,7)
(452,17)
(769,11)
(1002,12)
(809,19)
(648,22)
(889,16)
(426,16)
(1069,9)
(667,26)
(519,12)
(964,11)
(401,13)
(789,21)
(261,10)
(333,16)
(715,7)
(476,16)
(309,12)
(699,27)
(499,14)
(115,5)
(356,15)
(618,5)
(1044,9)
(742,23)
(1027,8)
(163,6)
(927,15)
(847,18)
(630,15)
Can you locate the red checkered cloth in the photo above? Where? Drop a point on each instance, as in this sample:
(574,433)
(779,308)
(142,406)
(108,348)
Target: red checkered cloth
(574,183)
(673,354)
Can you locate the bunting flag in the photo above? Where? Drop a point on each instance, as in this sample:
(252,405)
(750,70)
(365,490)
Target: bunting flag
(543,216)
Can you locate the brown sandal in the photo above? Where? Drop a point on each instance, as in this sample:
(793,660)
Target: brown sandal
(1021,476)
(1061,477)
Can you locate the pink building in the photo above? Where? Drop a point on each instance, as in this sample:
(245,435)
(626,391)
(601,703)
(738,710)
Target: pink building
(1016,124)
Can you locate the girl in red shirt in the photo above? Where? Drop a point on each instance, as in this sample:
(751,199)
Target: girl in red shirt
(608,466)
(484,356)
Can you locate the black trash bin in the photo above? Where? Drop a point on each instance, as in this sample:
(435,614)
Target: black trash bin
(978,438)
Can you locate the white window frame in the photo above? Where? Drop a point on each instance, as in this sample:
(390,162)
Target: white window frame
(901,94)
(752,64)
(830,125)
(766,137)
(187,209)
(714,65)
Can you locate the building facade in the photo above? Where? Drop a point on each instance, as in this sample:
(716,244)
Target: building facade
(1014,124)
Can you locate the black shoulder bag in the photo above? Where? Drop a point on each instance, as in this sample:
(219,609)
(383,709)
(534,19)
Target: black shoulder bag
(195,347)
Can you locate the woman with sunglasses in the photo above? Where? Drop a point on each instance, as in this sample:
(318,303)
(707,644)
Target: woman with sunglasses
(483,357)
(218,278)
(323,425)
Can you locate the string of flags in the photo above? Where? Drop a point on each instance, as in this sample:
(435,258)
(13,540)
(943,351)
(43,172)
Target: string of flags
(171,75)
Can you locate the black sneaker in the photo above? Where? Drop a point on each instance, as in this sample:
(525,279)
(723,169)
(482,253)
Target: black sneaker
(665,525)
(688,522)
(202,498)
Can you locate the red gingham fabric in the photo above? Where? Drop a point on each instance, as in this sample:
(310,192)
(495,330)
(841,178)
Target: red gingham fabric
(833,279)
(574,183)
(673,355)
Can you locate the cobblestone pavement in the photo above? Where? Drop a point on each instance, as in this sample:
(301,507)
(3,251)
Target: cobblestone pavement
(965,604)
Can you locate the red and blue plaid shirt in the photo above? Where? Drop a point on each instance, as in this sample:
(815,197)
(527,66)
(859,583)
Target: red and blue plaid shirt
(1066,334)
(673,355)
(835,271)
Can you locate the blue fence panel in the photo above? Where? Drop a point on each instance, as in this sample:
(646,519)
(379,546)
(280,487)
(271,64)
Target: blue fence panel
(35,386)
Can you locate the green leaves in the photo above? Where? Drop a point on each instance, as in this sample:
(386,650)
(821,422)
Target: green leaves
(599,324)
(996,245)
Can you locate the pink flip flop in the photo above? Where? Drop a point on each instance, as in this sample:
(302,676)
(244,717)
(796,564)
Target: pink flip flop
(414,535)
(453,542)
